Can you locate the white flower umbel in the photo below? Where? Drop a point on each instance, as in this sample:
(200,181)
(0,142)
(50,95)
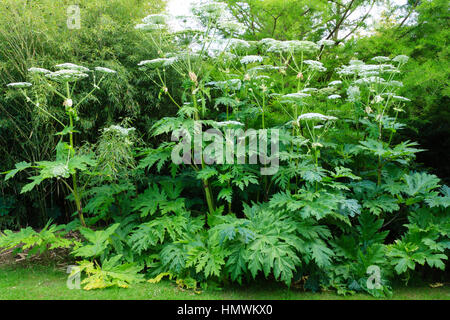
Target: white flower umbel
(210,10)
(71,66)
(295,46)
(302,46)
(158,19)
(388,68)
(334,97)
(370,80)
(251,59)
(232,26)
(357,67)
(369,73)
(381,59)
(267,42)
(239,44)
(66,75)
(105,70)
(315,116)
(307,90)
(401,59)
(353,93)
(296,96)
(19,85)
(335,83)
(395,83)
(262,77)
(39,70)
(315,65)
(400,98)
(60,170)
(229,123)
(119,129)
(157,63)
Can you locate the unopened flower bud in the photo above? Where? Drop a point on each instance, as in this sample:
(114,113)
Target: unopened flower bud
(300,76)
(193,76)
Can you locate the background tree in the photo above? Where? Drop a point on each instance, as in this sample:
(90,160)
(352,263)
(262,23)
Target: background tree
(305,19)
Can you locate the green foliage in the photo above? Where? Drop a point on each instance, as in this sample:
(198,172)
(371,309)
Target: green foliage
(356,253)
(165,199)
(98,242)
(28,240)
(426,241)
(110,274)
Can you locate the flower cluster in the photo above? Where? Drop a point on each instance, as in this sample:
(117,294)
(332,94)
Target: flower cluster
(119,130)
(294,46)
(19,85)
(153,22)
(251,59)
(38,70)
(315,116)
(315,65)
(157,63)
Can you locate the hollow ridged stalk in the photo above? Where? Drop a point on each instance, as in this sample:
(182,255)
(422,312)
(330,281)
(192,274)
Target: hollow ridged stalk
(206,187)
(76,193)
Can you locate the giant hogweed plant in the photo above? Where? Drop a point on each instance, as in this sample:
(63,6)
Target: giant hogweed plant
(68,163)
(103,162)
(389,189)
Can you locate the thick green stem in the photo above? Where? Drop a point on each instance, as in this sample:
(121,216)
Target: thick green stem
(206,187)
(209,199)
(379,169)
(75,191)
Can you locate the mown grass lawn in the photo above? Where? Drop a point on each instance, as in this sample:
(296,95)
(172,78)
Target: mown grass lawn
(49,283)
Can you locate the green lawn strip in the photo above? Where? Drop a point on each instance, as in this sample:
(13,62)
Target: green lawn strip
(41,282)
